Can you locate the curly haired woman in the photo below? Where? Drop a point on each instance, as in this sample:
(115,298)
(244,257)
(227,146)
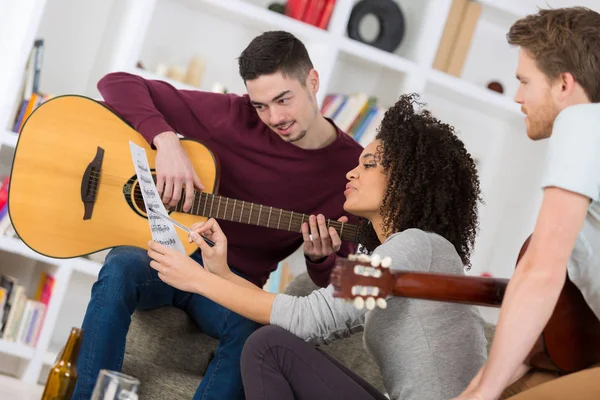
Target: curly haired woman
(416,191)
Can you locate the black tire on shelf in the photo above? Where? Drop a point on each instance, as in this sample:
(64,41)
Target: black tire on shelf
(391,23)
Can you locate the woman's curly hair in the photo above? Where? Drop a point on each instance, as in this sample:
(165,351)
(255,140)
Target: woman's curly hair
(432,180)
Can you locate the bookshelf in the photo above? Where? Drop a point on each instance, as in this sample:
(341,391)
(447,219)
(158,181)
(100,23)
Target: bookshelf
(152,76)
(16,350)
(114,35)
(8,138)
(473,96)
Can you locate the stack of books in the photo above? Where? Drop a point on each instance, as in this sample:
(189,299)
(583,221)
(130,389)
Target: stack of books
(313,12)
(357,114)
(30,96)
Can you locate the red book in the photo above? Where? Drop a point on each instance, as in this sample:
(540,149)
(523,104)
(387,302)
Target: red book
(289,7)
(326,14)
(313,11)
(295,8)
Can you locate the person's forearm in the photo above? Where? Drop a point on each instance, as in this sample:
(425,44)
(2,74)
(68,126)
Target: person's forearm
(163,137)
(238,280)
(474,384)
(475,381)
(319,271)
(250,302)
(528,304)
(130,96)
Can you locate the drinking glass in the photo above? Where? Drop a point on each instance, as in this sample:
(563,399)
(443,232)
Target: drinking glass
(112,385)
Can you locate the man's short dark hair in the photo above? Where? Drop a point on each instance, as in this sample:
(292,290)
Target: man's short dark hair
(275,51)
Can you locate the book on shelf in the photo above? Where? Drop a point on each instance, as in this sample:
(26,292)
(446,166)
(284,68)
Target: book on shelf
(23,317)
(357,114)
(6,227)
(30,97)
(313,12)
(457,36)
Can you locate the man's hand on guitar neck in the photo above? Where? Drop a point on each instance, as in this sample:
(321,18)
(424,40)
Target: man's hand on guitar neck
(173,170)
(320,241)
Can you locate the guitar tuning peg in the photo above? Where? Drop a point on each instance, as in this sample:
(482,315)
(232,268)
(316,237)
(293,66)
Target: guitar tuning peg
(359,303)
(375,260)
(370,303)
(352,257)
(360,270)
(381,303)
(364,258)
(364,291)
(386,262)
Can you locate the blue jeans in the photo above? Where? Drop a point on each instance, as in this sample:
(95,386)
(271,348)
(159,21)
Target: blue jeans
(125,283)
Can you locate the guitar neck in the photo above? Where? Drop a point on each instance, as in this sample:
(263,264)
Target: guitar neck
(475,290)
(213,206)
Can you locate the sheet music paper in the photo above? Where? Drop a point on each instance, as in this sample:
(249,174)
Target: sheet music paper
(162,231)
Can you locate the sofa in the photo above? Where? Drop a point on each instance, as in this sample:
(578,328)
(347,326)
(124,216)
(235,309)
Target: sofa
(168,353)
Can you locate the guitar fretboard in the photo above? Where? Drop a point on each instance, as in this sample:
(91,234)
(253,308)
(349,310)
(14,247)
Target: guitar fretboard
(213,206)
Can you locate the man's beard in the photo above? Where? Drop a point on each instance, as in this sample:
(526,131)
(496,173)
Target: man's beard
(301,135)
(542,120)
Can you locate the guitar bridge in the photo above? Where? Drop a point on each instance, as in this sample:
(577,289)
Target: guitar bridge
(89,183)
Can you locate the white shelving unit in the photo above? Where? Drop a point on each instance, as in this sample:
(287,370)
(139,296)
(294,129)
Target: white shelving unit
(9,139)
(26,359)
(85,40)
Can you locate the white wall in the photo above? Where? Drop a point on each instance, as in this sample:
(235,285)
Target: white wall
(177,33)
(72,31)
(489,43)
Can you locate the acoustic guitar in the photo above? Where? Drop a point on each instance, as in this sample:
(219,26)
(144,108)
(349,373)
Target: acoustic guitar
(570,340)
(74,190)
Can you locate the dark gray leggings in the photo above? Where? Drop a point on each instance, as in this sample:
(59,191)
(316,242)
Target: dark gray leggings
(278,365)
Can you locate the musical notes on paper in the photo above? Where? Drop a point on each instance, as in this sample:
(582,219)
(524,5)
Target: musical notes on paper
(162,228)
(162,232)
(167,242)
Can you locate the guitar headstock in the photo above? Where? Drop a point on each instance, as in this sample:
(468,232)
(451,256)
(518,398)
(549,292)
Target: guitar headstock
(365,280)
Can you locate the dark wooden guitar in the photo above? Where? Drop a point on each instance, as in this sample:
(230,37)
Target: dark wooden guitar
(570,341)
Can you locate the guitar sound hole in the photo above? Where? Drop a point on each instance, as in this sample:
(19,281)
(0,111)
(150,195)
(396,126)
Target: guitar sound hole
(138,199)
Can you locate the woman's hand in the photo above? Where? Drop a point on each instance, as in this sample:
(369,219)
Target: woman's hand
(476,391)
(214,258)
(175,268)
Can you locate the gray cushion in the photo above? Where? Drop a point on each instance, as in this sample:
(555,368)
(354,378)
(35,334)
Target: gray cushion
(167,352)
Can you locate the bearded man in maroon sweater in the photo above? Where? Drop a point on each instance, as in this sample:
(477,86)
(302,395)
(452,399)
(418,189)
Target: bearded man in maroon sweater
(275,149)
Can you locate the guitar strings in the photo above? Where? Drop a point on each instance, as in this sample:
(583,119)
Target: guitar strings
(295,219)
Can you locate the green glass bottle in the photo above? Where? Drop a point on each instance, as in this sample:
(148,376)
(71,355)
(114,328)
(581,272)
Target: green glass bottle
(63,375)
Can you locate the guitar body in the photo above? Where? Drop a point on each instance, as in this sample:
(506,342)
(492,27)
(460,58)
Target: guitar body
(60,206)
(570,340)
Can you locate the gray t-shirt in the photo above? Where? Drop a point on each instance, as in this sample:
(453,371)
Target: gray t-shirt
(574,165)
(425,350)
